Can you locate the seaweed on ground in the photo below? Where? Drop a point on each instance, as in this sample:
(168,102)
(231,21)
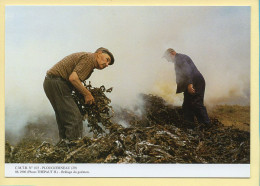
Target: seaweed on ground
(160,135)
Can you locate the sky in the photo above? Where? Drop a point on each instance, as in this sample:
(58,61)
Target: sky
(36,37)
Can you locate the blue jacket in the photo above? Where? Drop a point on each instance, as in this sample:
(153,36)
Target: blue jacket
(186,72)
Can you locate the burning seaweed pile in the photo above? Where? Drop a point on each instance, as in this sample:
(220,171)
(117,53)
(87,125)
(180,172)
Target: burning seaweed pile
(158,136)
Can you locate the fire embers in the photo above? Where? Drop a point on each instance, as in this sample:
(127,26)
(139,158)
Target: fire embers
(98,113)
(158,136)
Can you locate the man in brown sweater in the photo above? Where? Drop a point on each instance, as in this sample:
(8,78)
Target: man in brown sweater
(72,71)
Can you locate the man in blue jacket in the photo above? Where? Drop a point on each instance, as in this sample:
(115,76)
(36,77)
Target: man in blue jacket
(190,81)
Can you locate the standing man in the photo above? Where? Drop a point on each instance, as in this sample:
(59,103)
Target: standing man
(70,72)
(190,81)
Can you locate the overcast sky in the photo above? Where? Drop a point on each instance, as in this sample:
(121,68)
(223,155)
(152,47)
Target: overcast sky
(36,37)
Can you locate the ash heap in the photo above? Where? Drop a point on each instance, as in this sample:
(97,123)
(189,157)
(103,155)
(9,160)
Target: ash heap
(158,136)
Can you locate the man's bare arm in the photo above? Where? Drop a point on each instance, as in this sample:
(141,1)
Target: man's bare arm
(75,81)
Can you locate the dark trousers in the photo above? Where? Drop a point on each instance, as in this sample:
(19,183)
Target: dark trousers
(68,116)
(193,105)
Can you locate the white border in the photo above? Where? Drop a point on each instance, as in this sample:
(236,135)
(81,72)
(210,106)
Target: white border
(128,170)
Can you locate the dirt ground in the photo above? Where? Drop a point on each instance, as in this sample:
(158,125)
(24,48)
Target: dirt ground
(232,115)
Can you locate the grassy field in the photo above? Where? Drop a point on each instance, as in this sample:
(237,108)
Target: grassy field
(232,115)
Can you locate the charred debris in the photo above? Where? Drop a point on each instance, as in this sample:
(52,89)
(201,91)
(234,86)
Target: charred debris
(158,136)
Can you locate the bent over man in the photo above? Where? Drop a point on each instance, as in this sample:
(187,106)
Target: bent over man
(70,72)
(190,81)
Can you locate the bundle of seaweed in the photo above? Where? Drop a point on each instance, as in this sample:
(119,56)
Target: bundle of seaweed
(98,113)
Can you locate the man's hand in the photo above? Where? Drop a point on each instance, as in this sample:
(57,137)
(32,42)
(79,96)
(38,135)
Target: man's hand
(191,90)
(75,81)
(89,99)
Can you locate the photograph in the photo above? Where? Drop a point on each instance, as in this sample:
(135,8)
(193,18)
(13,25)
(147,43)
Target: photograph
(126,85)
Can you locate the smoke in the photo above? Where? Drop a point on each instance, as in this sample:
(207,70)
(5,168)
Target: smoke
(216,38)
(43,127)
